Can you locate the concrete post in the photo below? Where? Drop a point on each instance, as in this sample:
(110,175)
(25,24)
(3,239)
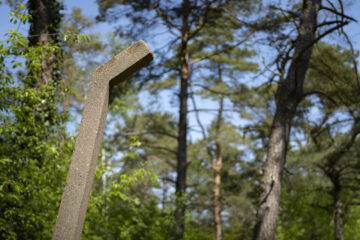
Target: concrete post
(71,216)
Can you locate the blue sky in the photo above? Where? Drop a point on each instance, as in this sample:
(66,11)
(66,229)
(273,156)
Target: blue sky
(89,8)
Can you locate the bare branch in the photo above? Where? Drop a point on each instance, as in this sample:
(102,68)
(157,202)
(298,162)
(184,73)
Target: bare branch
(339,14)
(318,92)
(168,179)
(160,147)
(353,59)
(328,23)
(165,18)
(268,68)
(326,208)
(197,28)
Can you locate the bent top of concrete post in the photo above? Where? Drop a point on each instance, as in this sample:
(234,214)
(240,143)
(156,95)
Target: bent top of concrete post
(72,211)
(124,64)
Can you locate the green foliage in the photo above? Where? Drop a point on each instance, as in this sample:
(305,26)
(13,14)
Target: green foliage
(34,150)
(132,195)
(75,37)
(351,229)
(328,163)
(117,212)
(33,160)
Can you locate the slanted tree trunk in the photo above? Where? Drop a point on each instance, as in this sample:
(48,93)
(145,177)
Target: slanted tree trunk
(182,132)
(288,96)
(217,165)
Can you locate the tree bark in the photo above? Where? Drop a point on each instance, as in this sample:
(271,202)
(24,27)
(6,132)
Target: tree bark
(217,165)
(338,214)
(182,131)
(44,26)
(288,96)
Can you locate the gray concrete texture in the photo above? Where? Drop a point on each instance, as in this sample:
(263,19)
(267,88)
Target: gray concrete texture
(72,211)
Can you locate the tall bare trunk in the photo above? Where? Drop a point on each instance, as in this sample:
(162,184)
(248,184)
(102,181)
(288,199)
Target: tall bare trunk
(338,214)
(288,96)
(217,165)
(182,132)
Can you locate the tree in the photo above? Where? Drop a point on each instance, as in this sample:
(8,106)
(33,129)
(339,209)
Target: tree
(140,143)
(289,94)
(34,152)
(322,167)
(183,22)
(79,58)
(44,29)
(338,161)
(225,70)
(32,160)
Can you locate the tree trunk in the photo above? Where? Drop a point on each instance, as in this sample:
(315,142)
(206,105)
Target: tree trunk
(332,171)
(104,165)
(217,169)
(164,187)
(44,26)
(217,203)
(182,134)
(288,96)
(338,214)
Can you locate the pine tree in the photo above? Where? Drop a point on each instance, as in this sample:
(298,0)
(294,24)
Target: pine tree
(183,21)
(221,85)
(288,96)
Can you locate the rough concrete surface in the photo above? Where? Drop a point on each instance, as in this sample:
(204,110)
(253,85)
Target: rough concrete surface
(72,211)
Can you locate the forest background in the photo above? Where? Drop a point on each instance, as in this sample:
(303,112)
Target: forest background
(226,67)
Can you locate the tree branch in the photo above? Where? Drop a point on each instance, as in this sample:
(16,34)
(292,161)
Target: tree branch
(203,131)
(318,92)
(161,148)
(147,132)
(165,18)
(337,13)
(328,23)
(318,38)
(214,91)
(217,52)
